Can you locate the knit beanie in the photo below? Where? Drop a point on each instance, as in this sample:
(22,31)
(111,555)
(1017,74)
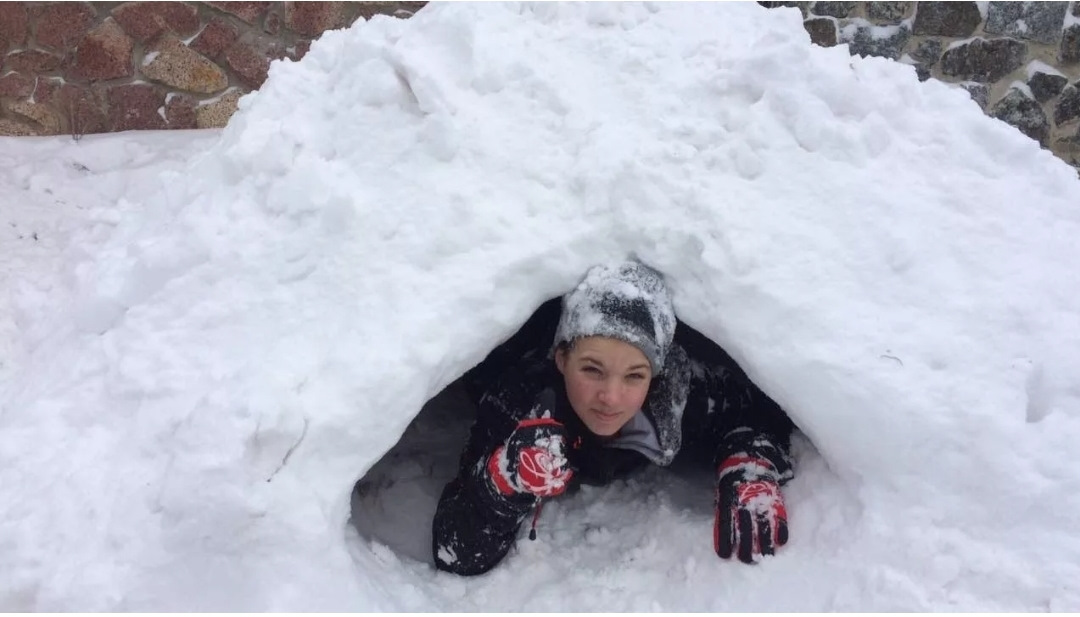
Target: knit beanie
(628,302)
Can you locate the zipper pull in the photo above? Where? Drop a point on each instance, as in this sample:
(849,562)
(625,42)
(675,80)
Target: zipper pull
(536,517)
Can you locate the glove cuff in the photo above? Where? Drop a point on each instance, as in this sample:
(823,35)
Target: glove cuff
(750,467)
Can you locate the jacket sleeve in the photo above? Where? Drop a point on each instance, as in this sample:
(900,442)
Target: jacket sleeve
(730,415)
(475,525)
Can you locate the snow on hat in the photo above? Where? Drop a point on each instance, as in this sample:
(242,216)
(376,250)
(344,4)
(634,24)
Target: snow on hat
(628,302)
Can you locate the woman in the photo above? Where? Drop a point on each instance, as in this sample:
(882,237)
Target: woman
(617,389)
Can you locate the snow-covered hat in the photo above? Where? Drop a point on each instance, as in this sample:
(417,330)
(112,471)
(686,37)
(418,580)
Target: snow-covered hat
(628,302)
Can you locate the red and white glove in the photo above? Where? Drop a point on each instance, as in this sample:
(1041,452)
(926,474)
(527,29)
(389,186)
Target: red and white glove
(750,516)
(532,460)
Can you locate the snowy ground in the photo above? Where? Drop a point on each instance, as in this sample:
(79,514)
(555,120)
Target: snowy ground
(207,339)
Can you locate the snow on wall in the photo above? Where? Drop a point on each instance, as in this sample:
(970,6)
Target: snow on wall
(220,372)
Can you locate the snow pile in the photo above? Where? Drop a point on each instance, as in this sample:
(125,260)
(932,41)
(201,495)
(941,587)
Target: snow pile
(202,389)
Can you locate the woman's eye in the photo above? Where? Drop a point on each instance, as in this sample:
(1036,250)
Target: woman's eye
(592,370)
(635,377)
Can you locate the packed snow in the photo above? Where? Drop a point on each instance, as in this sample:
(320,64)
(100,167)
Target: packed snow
(211,337)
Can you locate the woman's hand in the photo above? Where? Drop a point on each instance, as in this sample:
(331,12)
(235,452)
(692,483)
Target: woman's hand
(532,460)
(750,516)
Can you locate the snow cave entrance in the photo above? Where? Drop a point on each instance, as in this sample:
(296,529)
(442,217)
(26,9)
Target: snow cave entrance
(394,503)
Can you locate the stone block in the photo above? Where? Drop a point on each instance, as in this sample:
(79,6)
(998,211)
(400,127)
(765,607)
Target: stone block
(367,10)
(1068,106)
(250,12)
(300,50)
(146,20)
(180,111)
(215,38)
(172,63)
(958,19)
(14,26)
(1045,86)
(79,108)
(822,31)
(16,85)
(105,53)
(14,128)
(865,39)
(887,13)
(980,93)
(250,64)
(314,18)
(39,113)
(135,107)
(216,114)
(62,25)
(1032,21)
(928,51)
(839,10)
(402,10)
(984,60)
(32,61)
(1025,113)
(272,25)
(1070,44)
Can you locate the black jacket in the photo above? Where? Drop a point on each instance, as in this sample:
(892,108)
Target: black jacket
(701,406)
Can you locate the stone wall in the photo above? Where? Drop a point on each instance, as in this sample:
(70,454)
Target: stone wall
(1019,60)
(95,67)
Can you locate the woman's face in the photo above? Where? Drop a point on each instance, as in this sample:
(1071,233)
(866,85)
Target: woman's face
(606,381)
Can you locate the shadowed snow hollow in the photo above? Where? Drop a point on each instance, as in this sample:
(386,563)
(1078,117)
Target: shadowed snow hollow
(896,269)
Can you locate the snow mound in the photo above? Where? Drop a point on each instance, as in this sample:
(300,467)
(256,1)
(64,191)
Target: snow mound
(892,266)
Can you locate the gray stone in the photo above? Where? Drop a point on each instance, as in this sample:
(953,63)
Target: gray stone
(946,18)
(887,13)
(1070,43)
(864,39)
(1076,9)
(1025,113)
(803,7)
(838,10)
(922,71)
(1046,86)
(1068,106)
(1034,21)
(928,51)
(980,93)
(983,60)
(822,31)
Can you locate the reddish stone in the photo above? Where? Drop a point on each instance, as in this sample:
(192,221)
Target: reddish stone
(13,25)
(79,109)
(273,24)
(135,107)
(32,61)
(180,111)
(214,39)
(250,65)
(247,11)
(300,50)
(314,18)
(105,53)
(145,20)
(16,85)
(61,25)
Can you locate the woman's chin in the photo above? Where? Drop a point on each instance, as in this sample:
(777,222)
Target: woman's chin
(605,426)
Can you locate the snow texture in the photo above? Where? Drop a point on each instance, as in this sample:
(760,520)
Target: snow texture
(207,346)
